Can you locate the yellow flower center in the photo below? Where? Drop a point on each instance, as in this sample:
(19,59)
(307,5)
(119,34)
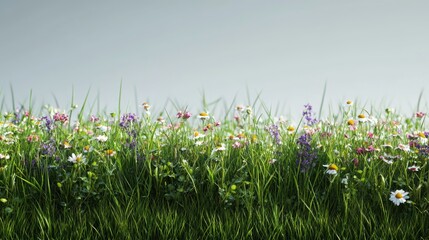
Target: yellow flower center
(333,167)
(422,135)
(203,114)
(398,195)
(349,102)
(196,134)
(78,159)
(109,152)
(86,148)
(361,116)
(290,128)
(351,122)
(240,135)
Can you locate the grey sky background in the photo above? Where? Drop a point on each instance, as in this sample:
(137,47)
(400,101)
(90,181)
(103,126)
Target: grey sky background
(374,51)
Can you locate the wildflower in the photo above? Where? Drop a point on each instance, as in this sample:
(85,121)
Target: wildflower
(203,116)
(387,145)
(66,145)
(351,122)
(49,148)
(160,120)
(272,161)
(146,106)
(208,127)
(290,129)
(307,156)
(398,197)
(61,117)
(360,150)
(199,143)
(236,144)
(197,135)
(93,118)
(127,119)
(331,168)
(274,132)
(308,115)
(362,118)
(48,123)
(103,128)
(220,147)
(4,156)
(33,138)
(355,162)
(110,153)
(87,149)
(345,180)
(77,158)
(414,168)
(3,200)
(403,147)
(101,138)
(239,108)
(420,114)
(349,103)
(179,114)
(217,123)
(186,115)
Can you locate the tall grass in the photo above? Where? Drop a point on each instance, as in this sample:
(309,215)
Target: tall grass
(251,176)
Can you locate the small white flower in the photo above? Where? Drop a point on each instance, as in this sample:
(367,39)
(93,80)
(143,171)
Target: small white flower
(220,147)
(345,180)
(77,158)
(272,161)
(101,138)
(414,168)
(331,169)
(203,115)
(104,128)
(403,147)
(197,135)
(4,156)
(398,197)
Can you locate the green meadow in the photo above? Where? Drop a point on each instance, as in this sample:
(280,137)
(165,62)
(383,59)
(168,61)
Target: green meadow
(359,173)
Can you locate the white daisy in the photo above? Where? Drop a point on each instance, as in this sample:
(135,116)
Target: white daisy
(398,197)
(77,158)
(203,116)
(101,138)
(331,168)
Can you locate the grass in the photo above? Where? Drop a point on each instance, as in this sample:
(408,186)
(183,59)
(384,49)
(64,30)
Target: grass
(181,177)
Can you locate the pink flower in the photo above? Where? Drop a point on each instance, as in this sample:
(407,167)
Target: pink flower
(360,150)
(186,115)
(420,114)
(236,144)
(355,162)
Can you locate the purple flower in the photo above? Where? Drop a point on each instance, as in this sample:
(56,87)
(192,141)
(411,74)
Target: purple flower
(49,124)
(307,155)
(127,119)
(308,115)
(49,148)
(274,132)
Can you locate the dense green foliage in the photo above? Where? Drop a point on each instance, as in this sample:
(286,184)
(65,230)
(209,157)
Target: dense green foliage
(193,177)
